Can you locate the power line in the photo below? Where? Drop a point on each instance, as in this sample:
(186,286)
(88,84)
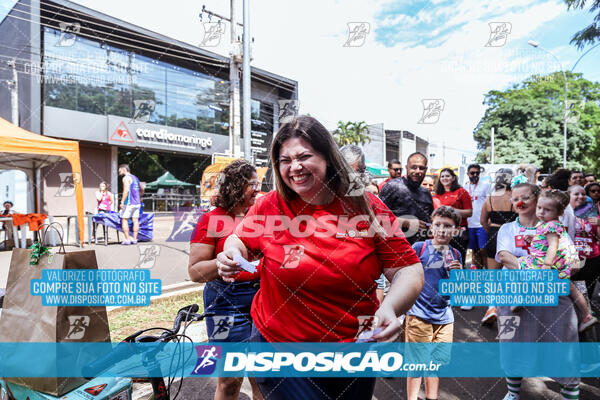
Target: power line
(119,29)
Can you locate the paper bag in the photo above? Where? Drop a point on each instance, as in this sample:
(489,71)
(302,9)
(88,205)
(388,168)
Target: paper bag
(25,319)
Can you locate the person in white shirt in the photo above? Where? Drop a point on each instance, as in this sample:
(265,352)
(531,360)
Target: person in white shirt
(477,235)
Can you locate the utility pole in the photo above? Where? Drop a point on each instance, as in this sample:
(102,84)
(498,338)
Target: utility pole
(493,148)
(14,92)
(235,57)
(235,61)
(246,89)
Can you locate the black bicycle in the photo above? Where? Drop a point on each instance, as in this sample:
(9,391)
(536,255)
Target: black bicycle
(123,351)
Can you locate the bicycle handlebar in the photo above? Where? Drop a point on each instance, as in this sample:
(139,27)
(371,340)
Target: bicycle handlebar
(125,349)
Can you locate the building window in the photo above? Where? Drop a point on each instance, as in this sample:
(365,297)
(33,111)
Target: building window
(92,77)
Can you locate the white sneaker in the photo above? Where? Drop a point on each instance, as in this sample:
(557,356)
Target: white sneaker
(466,308)
(510,396)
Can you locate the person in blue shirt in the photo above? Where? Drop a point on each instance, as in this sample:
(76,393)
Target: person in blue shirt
(130,203)
(430,320)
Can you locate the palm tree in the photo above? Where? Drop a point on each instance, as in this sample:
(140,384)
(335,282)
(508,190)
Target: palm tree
(351,133)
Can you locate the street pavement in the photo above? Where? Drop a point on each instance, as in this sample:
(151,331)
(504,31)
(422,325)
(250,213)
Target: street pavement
(467,329)
(169,263)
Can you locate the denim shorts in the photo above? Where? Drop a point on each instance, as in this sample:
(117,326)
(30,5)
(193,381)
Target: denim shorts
(230,302)
(477,239)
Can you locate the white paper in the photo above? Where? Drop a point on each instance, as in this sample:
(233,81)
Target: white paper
(245,264)
(367,336)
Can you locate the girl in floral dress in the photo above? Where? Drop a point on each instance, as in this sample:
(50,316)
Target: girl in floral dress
(551,247)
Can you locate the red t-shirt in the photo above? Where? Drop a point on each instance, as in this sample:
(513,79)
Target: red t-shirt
(213,228)
(315,285)
(459,199)
(382,184)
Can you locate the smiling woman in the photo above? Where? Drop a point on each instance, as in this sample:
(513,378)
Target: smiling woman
(319,288)
(230,302)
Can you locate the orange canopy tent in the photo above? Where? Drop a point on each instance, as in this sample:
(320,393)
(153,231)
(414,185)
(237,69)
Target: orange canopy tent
(24,150)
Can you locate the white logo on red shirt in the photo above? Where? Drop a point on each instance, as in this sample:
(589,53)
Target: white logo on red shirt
(293,254)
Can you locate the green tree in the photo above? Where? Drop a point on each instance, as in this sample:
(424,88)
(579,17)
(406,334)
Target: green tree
(351,133)
(591,33)
(528,122)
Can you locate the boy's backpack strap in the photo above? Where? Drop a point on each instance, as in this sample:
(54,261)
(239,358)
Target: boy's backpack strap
(423,248)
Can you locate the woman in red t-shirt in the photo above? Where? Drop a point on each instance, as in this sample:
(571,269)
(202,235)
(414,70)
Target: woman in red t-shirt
(320,263)
(449,193)
(238,186)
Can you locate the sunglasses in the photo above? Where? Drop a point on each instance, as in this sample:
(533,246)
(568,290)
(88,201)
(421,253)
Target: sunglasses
(474,173)
(396,169)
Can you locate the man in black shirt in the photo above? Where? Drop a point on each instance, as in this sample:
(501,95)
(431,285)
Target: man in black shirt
(410,203)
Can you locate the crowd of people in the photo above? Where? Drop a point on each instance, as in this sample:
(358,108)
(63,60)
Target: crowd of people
(411,232)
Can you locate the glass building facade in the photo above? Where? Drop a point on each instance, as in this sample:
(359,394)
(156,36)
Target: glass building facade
(88,76)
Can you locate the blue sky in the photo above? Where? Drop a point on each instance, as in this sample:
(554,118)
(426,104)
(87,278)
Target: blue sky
(414,50)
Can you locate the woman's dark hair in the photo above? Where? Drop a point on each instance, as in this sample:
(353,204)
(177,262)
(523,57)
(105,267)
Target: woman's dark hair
(439,188)
(231,184)
(447,212)
(338,172)
(588,187)
(560,198)
(559,179)
(503,179)
(534,189)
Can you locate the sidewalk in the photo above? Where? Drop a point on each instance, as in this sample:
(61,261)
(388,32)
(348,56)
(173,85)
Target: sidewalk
(169,264)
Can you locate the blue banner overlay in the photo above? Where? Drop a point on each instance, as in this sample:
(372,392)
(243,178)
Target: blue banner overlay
(299,359)
(95,287)
(504,287)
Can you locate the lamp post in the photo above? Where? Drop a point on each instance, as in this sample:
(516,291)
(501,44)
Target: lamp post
(537,45)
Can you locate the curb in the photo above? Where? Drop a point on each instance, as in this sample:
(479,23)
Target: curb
(168,291)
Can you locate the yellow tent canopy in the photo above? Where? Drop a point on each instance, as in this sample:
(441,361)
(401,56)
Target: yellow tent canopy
(29,151)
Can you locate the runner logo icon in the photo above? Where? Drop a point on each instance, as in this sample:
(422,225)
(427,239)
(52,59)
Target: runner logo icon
(68,34)
(288,109)
(432,109)
(77,325)
(223,324)
(507,326)
(207,359)
(356,186)
(499,32)
(212,34)
(293,254)
(68,181)
(143,110)
(148,255)
(357,34)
